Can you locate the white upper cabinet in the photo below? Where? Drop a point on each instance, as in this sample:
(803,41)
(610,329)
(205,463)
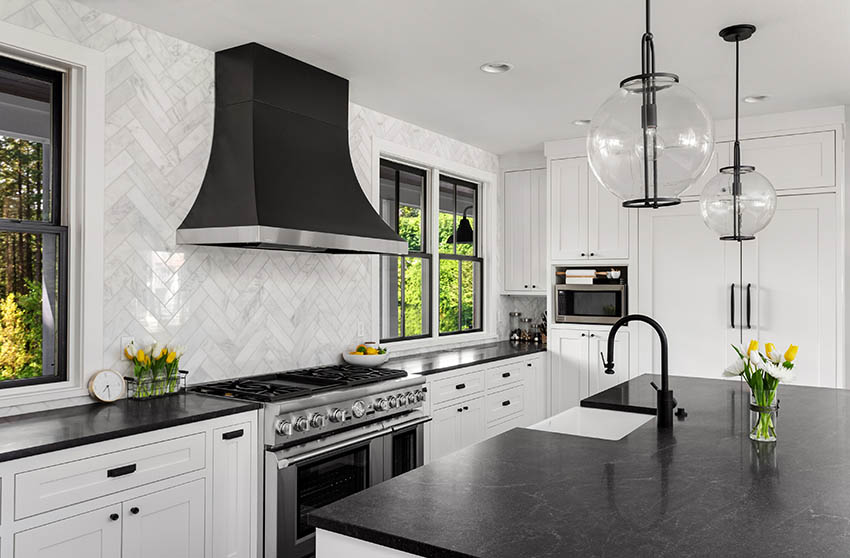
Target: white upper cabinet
(525,231)
(588,222)
(792,162)
(568,210)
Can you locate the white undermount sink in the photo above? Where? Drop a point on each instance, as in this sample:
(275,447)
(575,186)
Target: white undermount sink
(593,423)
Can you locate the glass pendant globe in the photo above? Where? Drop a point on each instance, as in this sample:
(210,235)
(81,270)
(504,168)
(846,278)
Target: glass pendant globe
(756,203)
(683,139)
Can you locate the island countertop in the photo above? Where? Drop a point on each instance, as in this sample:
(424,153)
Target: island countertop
(700,489)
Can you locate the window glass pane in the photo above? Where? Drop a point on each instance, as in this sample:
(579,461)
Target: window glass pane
(470,295)
(449,295)
(446,218)
(388,176)
(405,297)
(29,317)
(411,215)
(26,105)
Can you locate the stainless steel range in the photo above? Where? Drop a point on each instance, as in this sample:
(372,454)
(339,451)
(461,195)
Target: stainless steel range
(328,433)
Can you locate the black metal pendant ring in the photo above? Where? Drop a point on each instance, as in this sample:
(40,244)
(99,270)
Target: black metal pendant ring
(744,169)
(652,202)
(639,78)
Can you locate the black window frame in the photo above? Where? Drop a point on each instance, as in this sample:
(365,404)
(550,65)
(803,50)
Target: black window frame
(454,181)
(423,254)
(54,226)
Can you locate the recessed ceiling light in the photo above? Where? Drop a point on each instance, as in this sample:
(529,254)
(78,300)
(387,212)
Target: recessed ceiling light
(755,98)
(496,67)
(581,122)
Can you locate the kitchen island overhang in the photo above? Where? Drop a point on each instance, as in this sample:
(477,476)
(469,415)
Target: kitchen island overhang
(701,489)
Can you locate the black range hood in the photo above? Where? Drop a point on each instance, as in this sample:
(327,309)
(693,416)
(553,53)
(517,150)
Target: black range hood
(280,174)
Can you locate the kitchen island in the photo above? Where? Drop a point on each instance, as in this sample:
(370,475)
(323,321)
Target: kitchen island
(700,489)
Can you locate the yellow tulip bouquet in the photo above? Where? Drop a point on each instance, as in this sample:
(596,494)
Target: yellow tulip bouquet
(156,370)
(763,372)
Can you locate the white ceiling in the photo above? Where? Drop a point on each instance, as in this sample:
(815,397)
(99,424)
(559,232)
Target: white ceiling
(418,60)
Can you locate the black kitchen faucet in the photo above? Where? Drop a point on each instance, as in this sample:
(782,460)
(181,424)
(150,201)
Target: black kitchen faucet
(665,401)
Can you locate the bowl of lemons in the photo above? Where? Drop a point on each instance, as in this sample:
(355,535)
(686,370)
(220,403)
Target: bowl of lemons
(366,354)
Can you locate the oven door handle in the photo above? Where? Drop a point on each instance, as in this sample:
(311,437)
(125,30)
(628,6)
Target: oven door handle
(408,424)
(284,462)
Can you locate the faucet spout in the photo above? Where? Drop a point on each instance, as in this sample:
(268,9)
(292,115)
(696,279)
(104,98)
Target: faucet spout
(665,401)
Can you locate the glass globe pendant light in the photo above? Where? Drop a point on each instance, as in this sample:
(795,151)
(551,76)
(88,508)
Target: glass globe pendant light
(738,202)
(652,138)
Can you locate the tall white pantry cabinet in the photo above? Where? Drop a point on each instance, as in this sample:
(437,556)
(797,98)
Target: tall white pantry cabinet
(784,287)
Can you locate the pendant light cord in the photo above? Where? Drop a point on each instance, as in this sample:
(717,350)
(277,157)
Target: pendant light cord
(649,116)
(736,162)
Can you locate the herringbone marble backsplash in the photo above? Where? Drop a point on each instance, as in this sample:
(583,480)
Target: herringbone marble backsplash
(238,312)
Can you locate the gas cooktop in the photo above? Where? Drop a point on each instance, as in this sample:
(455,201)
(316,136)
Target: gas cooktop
(280,386)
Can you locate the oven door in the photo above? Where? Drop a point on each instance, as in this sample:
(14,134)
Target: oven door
(308,481)
(404,449)
(590,304)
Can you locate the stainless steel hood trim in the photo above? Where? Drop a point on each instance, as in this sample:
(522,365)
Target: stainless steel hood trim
(299,239)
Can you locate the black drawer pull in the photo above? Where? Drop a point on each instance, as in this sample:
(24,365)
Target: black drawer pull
(506,375)
(460,386)
(465,408)
(506,403)
(134,510)
(121,471)
(233,434)
(528,364)
(114,516)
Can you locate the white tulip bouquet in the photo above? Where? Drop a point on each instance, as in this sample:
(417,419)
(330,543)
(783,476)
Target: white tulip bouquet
(763,372)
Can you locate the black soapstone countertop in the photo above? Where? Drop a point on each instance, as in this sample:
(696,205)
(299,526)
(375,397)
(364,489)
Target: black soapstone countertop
(442,360)
(57,429)
(702,489)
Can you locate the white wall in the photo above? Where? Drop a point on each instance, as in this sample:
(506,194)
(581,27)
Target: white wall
(238,312)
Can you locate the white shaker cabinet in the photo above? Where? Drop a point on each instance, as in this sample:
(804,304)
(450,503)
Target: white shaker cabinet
(166,523)
(459,425)
(588,222)
(96,534)
(232,475)
(525,231)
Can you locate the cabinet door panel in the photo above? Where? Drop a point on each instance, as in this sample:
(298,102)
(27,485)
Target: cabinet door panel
(568,212)
(473,425)
(537,247)
(608,223)
(598,380)
(90,535)
(568,365)
(793,161)
(685,285)
(517,230)
(796,285)
(232,478)
(166,523)
(445,428)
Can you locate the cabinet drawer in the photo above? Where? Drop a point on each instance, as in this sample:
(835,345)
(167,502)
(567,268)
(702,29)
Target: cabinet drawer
(69,483)
(511,422)
(505,403)
(459,386)
(501,376)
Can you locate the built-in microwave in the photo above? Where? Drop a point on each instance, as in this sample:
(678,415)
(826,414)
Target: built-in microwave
(590,304)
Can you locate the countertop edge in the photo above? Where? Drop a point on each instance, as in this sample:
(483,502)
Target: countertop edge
(535,350)
(140,429)
(367,534)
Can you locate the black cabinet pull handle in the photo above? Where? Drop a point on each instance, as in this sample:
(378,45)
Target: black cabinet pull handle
(506,375)
(534,286)
(593,335)
(583,254)
(505,403)
(460,386)
(528,364)
(583,334)
(748,306)
(526,286)
(592,254)
(460,410)
(465,408)
(134,510)
(114,516)
(232,434)
(121,471)
(732,304)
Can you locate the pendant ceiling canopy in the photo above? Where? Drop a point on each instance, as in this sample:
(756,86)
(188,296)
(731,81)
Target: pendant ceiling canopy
(739,201)
(652,138)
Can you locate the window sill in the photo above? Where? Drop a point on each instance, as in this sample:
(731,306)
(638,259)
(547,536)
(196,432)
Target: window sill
(400,348)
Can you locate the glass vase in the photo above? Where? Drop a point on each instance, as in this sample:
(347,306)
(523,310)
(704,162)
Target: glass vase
(764,408)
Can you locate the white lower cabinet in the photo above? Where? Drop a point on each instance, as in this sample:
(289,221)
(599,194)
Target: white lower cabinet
(505,394)
(166,523)
(576,366)
(96,534)
(139,509)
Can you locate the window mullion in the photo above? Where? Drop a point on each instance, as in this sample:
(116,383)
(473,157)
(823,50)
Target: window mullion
(434,237)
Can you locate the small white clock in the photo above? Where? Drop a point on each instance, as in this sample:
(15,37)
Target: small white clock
(107,386)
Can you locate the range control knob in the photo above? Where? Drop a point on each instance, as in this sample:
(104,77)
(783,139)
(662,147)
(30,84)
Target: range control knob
(393,402)
(420,395)
(336,415)
(283,427)
(411,399)
(358,409)
(301,424)
(402,399)
(381,404)
(317,420)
